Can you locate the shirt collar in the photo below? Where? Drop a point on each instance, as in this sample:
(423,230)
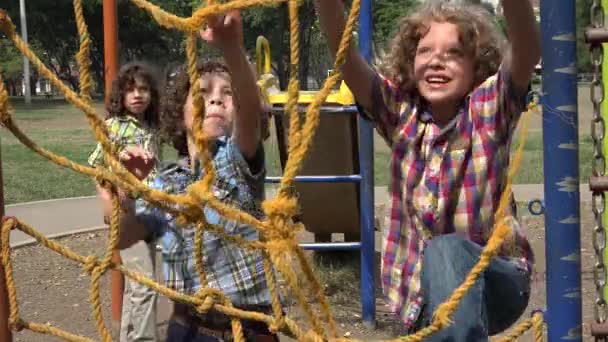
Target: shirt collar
(214,146)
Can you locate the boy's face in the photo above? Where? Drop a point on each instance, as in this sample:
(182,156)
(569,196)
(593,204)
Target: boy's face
(220,107)
(137,98)
(442,68)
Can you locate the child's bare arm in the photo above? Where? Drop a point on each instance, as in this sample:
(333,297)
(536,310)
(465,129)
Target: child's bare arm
(226,33)
(524,38)
(357,73)
(247,119)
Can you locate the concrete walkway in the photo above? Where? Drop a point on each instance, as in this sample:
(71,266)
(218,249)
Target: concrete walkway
(55,218)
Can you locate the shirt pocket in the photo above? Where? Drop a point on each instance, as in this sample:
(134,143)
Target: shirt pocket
(227,193)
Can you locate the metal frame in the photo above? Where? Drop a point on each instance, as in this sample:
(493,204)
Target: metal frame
(365,179)
(562,197)
(366,192)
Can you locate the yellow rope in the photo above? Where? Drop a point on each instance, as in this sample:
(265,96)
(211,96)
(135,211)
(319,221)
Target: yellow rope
(278,233)
(83,57)
(291,107)
(535,322)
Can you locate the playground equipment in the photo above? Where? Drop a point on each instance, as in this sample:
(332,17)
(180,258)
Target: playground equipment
(561,185)
(596,35)
(338,157)
(110,59)
(536,207)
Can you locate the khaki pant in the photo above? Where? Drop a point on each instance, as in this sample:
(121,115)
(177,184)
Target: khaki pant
(138,322)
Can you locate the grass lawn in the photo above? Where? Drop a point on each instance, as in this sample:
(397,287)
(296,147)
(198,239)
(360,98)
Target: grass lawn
(61,128)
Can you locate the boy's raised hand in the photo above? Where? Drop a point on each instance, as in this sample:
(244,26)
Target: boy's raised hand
(224,31)
(138,161)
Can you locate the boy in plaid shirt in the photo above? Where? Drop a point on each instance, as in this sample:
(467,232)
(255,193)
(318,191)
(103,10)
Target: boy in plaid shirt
(447,102)
(232,122)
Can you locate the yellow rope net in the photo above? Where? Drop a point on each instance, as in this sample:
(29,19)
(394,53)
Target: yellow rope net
(279,245)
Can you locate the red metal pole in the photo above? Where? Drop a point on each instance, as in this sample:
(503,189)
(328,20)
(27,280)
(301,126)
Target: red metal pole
(5,332)
(110,39)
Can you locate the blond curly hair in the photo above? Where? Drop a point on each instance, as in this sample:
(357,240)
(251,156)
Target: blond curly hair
(479,35)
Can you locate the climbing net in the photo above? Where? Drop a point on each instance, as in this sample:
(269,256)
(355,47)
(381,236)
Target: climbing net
(278,246)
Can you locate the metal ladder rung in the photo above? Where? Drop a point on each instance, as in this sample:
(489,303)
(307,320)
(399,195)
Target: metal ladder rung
(319,179)
(331,246)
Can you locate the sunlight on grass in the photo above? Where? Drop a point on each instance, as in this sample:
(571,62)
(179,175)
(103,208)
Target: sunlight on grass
(63,129)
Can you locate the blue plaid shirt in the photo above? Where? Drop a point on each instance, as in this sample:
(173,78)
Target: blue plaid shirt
(237,272)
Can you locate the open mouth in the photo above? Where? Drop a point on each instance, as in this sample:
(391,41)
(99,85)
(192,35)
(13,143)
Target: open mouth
(437,80)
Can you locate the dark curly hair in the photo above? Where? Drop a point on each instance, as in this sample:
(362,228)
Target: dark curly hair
(125,80)
(478,35)
(177,88)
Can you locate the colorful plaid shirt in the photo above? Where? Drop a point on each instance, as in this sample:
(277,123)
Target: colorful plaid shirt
(237,272)
(125,131)
(444,179)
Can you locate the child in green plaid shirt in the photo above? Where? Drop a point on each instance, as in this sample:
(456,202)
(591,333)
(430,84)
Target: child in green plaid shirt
(133,120)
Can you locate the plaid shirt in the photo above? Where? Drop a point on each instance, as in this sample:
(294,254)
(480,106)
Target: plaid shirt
(238,272)
(126,131)
(444,179)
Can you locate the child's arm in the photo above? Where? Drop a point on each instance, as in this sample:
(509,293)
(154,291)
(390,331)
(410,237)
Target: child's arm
(525,41)
(227,34)
(357,74)
(140,163)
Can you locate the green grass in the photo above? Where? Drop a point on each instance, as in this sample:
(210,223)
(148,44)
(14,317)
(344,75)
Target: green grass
(531,170)
(58,127)
(63,129)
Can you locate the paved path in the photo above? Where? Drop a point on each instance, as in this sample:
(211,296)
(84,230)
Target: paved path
(73,215)
(56,217)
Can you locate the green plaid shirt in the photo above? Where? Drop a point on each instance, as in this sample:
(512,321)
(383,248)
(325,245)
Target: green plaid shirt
(126,131)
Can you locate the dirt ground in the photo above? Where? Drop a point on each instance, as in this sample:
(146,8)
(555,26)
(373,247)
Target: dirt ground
(55,290)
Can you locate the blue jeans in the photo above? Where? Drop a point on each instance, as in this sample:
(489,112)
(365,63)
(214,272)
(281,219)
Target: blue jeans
(495,302)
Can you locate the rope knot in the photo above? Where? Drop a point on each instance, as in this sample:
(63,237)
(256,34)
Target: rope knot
(181,219)
(280,207)
(9,221)
(16,324)
(90,262)
(206,305)
(276,325)
(206,297)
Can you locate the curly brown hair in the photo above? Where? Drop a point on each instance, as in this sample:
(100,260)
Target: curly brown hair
(125,81)
(478,34)
(177,88)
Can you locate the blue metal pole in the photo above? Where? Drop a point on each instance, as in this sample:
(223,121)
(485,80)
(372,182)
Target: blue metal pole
(560,137)
(366,157)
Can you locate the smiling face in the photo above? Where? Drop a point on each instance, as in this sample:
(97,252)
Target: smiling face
(220,107)
(442,68)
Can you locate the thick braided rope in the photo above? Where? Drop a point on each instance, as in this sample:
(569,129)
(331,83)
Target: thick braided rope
(535,322)
(190,207)
(293,88)
(196,21)
(83,57)
(123,177)
(66,252)
(281,245)
(502,231)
